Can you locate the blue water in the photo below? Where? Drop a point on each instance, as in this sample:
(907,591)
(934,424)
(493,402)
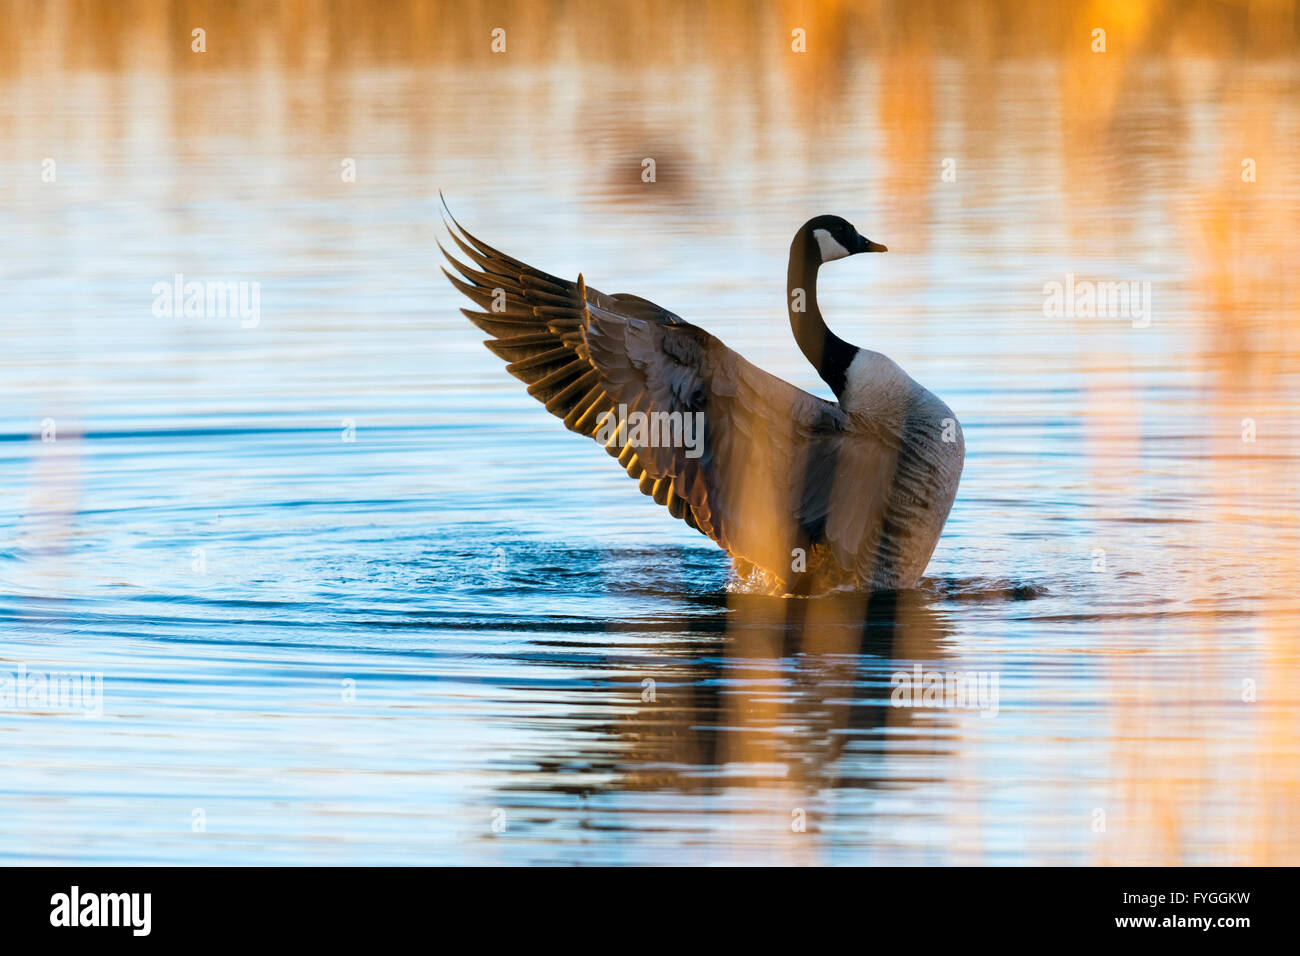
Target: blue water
(355,597)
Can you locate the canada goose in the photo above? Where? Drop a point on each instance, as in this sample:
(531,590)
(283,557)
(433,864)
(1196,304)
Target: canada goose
(811,493)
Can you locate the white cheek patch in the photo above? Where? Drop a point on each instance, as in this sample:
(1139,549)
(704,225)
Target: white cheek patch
(831,249)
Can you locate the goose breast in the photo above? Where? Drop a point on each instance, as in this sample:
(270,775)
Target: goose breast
(886,406)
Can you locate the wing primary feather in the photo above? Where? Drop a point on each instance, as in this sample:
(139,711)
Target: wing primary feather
(517,347)
(562,402)
(498,327)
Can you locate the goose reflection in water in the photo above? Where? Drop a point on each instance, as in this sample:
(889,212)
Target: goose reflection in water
(772,704)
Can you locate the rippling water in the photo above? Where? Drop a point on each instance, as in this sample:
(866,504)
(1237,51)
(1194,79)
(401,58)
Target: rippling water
(356,598)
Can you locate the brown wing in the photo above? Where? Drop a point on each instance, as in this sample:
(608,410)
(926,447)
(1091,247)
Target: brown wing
(535,322)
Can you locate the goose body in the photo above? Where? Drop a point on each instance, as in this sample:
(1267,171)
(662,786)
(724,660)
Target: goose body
(807,493)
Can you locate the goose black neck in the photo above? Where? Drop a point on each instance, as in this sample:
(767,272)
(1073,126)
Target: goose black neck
(827,352)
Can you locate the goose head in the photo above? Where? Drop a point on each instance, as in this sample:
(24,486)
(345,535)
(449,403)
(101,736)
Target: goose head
(821,239)
(834,238)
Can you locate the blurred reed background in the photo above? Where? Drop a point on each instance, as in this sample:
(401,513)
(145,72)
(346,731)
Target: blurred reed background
(502,631)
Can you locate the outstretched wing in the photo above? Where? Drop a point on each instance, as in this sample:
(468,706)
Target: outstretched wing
(750,460)
(536,322)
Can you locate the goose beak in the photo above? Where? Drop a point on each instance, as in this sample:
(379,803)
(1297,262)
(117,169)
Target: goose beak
(866,245)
